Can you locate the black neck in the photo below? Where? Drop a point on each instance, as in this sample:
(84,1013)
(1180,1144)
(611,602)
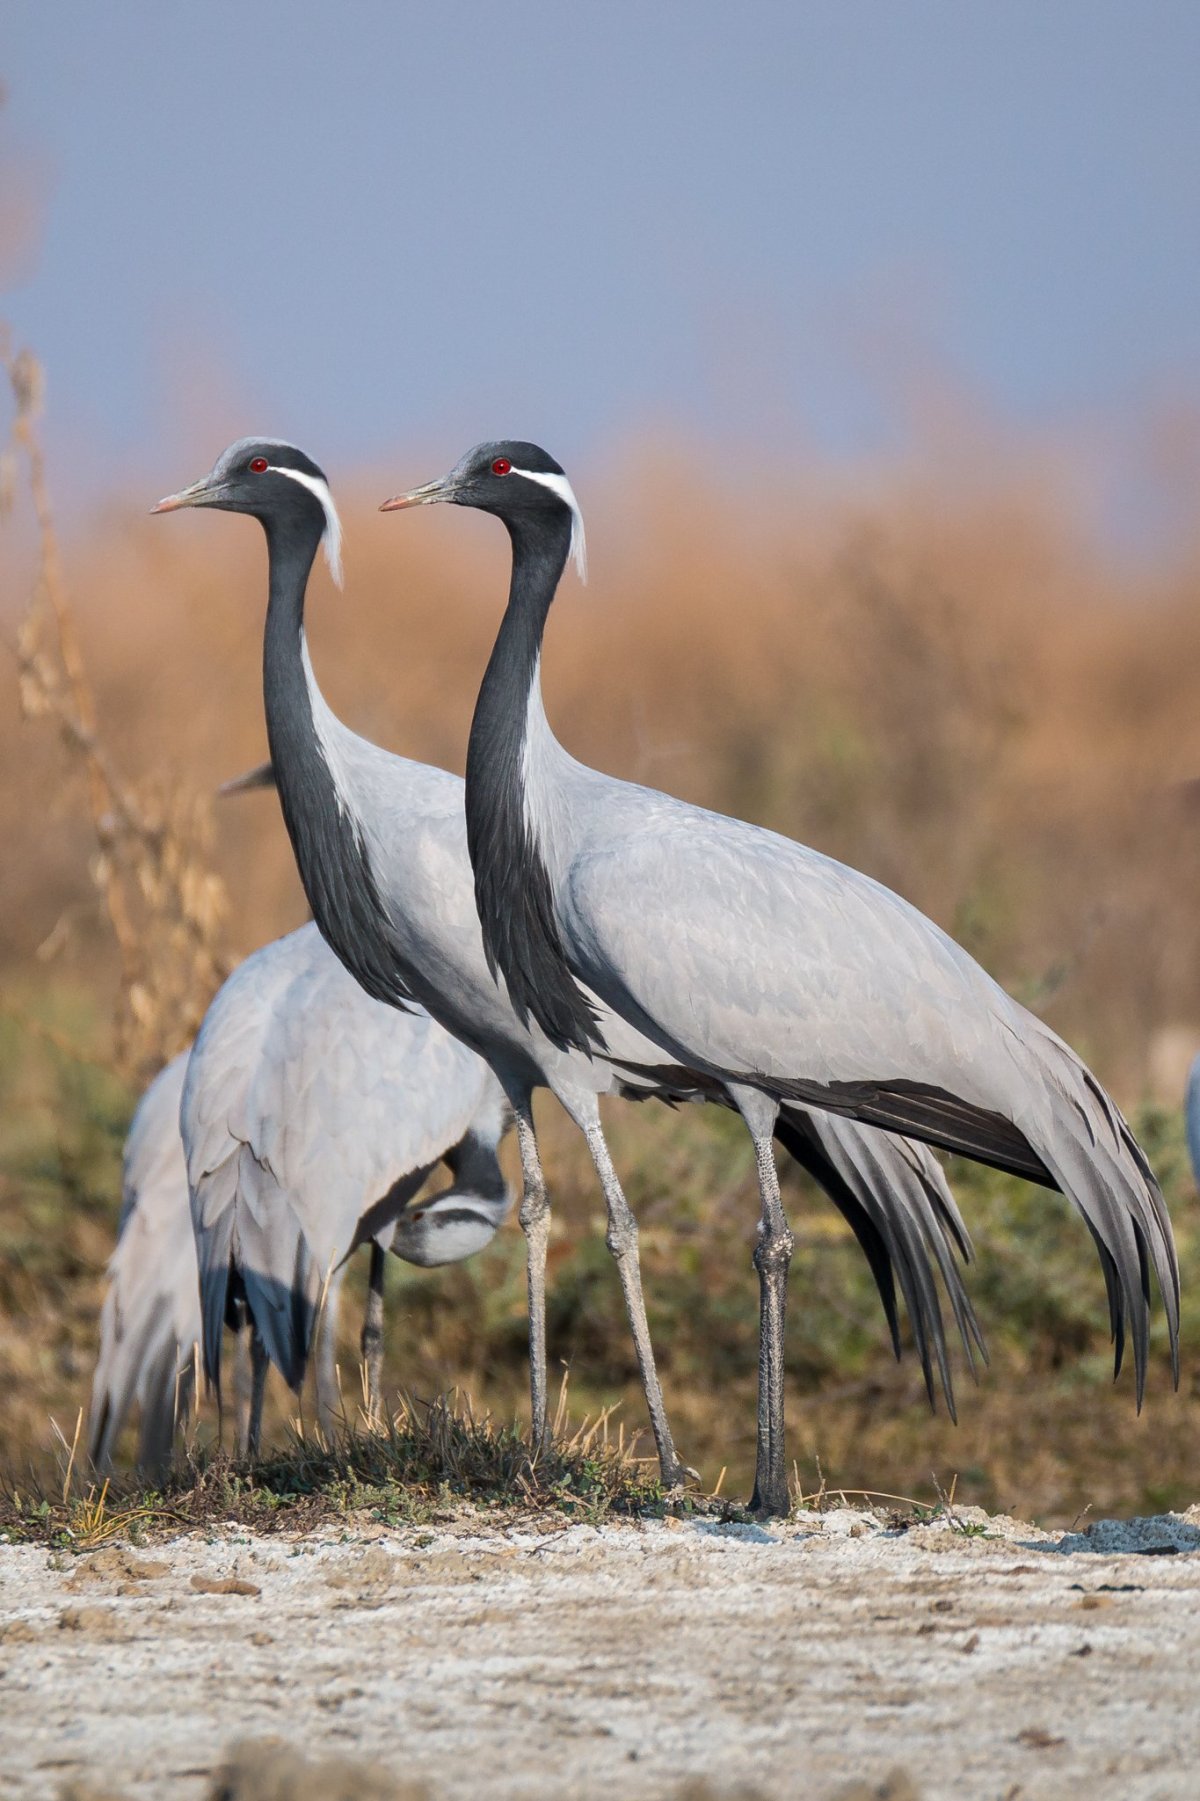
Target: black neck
(539,556)
(326,839)
(291,552)
(291,733)
(512,886)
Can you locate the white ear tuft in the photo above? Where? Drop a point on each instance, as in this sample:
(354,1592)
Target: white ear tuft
(331,537)
(331,544)
(558,484)
(578,545)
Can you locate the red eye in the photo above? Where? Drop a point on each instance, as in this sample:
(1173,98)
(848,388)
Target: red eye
(258,464)
(501,466)
(420,1214)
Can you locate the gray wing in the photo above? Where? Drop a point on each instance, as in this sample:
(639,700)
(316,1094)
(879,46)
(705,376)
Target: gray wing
(759,961)
(306,1103)
(150,1322)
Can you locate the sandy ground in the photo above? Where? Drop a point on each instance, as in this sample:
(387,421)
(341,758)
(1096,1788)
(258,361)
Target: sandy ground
(994,1662)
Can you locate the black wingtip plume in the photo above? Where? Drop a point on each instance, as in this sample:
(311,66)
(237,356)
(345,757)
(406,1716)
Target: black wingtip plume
(895,1198)
(1073,1138)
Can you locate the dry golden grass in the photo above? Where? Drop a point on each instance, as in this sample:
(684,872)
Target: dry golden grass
(149,866)
(955,690)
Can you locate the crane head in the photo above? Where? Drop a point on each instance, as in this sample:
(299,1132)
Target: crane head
(274,482)
(518,482)
(450,1227)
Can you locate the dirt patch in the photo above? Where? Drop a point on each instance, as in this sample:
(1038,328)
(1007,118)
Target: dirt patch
(225,1585)
(831,1656)
(115,1565)
(898,1785)
(271,1771)
(95,1622)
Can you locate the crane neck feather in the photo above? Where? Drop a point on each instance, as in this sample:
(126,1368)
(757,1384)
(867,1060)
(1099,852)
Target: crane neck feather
(316,787)
(513,889)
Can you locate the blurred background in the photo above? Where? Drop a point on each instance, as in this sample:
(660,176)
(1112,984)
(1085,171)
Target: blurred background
(870,338)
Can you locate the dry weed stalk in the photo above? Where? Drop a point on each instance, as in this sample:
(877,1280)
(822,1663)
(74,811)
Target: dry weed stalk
(163,900)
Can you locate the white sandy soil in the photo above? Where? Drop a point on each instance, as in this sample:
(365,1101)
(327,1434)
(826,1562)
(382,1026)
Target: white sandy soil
(987,1662)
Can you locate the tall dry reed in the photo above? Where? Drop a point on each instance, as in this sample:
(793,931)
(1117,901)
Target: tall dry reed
(149,865)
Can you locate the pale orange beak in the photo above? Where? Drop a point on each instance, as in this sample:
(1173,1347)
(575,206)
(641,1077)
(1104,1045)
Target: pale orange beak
(195,496)
(420,497)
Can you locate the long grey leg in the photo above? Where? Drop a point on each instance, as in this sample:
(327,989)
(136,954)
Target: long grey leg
(243,1331)
(535,1223)
(259,1364)
(772,1256)
(329,1399)
(622,1241)
(372,1333)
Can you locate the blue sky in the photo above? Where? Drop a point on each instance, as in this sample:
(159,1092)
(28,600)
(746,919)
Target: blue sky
(372,226)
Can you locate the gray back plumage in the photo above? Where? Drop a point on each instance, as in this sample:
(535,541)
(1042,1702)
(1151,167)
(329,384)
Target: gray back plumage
(757,960)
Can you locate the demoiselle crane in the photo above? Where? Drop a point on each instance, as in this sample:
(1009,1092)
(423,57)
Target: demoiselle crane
(381,847)
(314,1115)
(759,963)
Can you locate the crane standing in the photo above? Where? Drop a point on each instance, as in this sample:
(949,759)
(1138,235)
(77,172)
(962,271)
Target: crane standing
(759,963)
